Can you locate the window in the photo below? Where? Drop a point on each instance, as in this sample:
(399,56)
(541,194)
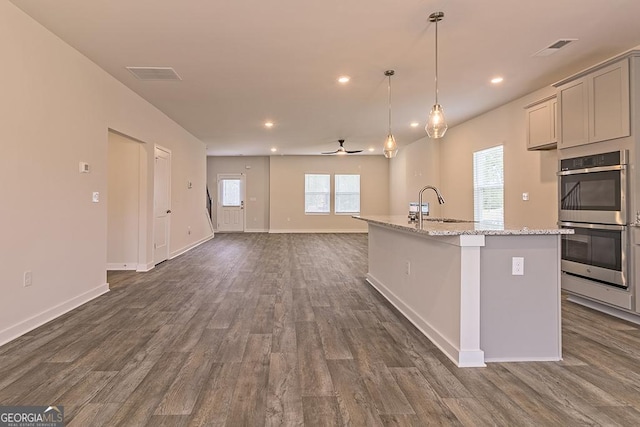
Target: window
(347,194)
(488,185)
(317,191)
(230,192)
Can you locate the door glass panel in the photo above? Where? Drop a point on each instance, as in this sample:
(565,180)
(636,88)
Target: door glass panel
(230,192)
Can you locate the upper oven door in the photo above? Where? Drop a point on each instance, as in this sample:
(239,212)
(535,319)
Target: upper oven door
(593,195)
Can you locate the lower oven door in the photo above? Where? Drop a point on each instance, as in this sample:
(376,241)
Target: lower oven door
(597,252)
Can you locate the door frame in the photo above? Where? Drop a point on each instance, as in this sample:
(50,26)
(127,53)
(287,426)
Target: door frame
(243,193)
(157,148)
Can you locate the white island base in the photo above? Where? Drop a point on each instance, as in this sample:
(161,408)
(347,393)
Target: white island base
(458,289)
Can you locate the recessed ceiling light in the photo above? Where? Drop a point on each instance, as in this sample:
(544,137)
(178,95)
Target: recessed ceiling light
(497,80)
(371,149)
(414,124)
(274,149)
(268,124)
(344,79)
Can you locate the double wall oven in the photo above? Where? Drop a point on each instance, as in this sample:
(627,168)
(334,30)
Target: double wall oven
(593,201)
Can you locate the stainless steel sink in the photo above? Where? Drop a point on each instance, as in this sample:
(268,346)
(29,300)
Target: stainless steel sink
(446,220)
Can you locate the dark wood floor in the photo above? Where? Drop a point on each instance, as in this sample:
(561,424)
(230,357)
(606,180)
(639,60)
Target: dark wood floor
(257,329)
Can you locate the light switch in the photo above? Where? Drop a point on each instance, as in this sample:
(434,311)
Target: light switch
(95,197)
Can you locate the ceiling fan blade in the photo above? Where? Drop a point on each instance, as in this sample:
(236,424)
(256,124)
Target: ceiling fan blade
(342,150)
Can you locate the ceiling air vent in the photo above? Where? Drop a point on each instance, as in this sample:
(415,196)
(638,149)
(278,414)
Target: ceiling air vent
(554,47)
(154,73)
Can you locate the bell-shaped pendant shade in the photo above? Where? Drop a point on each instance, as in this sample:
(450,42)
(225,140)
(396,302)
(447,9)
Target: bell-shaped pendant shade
(390,147)
(436,123)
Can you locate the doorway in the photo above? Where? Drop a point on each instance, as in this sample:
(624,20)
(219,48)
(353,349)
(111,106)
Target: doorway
(161,204)
(126,203)
(231,192)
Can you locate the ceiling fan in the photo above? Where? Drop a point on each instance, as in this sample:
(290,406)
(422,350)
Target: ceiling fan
(342,150)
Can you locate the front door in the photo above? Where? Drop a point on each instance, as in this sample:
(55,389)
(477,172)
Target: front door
(231,202)
(161,204)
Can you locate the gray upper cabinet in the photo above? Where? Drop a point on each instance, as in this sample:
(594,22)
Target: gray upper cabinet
(609,114)
(541,124)
(595,106)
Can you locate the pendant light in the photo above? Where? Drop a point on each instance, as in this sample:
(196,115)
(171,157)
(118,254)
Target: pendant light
(436,123)
(390,146)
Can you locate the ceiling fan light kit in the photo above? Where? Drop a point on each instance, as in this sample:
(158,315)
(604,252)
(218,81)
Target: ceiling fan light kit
(390,147)
(436,123)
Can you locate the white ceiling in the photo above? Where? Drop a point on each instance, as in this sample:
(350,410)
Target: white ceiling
(244,62)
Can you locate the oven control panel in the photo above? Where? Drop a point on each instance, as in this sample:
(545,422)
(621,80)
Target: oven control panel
(593,161)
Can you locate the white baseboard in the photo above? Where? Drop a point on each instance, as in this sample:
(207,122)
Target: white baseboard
(117,266)
(143,268)
(256,230)
(21,328)
(313,230)
(462,358)
(191,246)
(522,359)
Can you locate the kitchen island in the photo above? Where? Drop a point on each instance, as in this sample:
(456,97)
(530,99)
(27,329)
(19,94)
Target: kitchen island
(453,280)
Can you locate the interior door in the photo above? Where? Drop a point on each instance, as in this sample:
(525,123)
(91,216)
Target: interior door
(161,205)
(231,189)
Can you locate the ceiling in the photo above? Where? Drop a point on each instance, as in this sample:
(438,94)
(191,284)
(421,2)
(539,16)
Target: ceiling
(244,62)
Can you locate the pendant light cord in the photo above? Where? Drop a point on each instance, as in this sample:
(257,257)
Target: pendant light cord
(437,19)
(389,91)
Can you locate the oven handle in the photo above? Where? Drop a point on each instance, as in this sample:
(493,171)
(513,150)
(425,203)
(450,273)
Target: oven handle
(590,170)
(592,226)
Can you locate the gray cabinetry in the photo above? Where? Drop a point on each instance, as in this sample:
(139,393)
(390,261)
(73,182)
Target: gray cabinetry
(541,124)
(594,106)
(573,112)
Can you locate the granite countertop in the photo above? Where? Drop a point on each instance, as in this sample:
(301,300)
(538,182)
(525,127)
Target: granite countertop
(457,227)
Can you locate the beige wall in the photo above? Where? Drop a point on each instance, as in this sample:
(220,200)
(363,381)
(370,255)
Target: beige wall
(256,170)
(415,166)
(524,171)
(287,191)
(56,108)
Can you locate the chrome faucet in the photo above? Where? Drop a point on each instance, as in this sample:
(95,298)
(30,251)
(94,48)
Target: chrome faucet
(440,201)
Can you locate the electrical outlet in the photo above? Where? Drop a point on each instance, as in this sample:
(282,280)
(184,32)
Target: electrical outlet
(407,268)
(517,266)
(525,196)
(95,197)
(28,279)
